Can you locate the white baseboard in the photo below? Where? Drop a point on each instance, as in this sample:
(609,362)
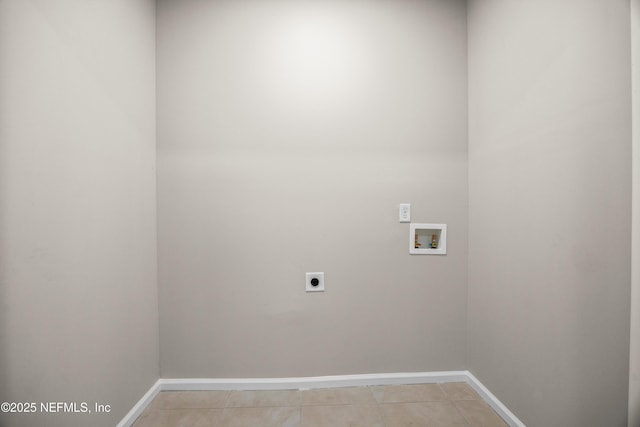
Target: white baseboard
(493,401)
(139,407)
(302,383)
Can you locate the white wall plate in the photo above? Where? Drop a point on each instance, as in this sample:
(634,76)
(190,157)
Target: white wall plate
(314,282)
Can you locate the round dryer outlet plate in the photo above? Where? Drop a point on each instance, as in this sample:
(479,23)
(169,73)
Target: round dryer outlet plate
(314,282)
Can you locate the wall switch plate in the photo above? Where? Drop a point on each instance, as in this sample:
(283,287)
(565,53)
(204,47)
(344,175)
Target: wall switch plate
(314,282)
(405,212)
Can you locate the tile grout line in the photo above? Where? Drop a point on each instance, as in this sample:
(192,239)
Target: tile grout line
(384,423)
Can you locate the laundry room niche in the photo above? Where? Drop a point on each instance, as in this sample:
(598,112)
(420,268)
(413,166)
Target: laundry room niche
(428,239)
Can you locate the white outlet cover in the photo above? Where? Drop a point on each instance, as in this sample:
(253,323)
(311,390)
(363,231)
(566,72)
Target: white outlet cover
(309,277)
(405,212)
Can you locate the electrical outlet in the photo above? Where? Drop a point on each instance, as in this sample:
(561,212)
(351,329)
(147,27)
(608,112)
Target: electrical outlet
(314,282)
(405,212)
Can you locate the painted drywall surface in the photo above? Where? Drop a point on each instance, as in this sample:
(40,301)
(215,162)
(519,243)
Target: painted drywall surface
(78,296)
(549,208)
(634,354)
(288,134)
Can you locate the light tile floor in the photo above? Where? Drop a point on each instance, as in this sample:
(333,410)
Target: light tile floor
(430,405)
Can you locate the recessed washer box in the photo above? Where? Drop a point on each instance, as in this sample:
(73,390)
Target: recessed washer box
(428,239)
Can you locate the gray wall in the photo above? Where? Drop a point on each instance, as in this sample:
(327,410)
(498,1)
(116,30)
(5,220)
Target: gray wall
(288,134)
(634,355)
(274,162)
(549,208)
(78,298)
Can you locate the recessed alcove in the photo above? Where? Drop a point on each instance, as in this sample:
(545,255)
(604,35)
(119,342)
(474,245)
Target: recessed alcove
(428,239)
